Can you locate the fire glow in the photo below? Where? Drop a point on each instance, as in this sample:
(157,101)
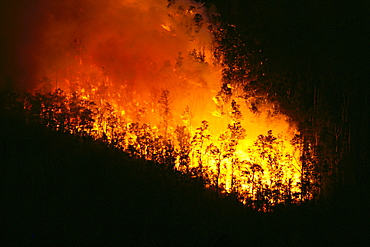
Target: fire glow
(145,72)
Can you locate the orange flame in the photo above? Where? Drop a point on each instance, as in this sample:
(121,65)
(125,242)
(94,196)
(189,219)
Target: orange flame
(115,53)
(165,27)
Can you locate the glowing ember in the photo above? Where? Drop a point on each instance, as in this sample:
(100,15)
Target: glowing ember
(152,90)
(165,27)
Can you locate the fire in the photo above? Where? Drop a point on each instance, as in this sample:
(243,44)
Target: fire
(152,89)
(167,28)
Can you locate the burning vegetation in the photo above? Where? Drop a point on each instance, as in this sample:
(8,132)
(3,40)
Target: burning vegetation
(163,81)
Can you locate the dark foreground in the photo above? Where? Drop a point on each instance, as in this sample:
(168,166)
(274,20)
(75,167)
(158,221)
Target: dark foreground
(60,190)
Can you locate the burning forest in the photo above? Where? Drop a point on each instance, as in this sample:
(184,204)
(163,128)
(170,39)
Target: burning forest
(184,122)
(162,81)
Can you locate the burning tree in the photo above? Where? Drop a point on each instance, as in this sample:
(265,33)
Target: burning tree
(112,88)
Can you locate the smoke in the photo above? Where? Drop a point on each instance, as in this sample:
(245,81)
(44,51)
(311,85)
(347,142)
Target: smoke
(130,39)
(142,46)
(132,54)
(18,42)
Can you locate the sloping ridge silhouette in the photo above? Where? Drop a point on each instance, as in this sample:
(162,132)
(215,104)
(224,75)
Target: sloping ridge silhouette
(63,190)
(68,190)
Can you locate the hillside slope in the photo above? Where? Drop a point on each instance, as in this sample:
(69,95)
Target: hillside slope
(60,189)
(63,190)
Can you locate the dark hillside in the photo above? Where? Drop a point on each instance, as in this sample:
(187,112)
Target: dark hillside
(64,190)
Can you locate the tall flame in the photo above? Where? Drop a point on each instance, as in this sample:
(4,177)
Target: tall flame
(153,63)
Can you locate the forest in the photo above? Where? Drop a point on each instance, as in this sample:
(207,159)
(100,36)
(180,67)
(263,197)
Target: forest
(127,182)
(62,189)
(315,65)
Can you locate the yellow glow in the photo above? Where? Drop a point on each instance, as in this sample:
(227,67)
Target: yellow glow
(165,27)
(131,68)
